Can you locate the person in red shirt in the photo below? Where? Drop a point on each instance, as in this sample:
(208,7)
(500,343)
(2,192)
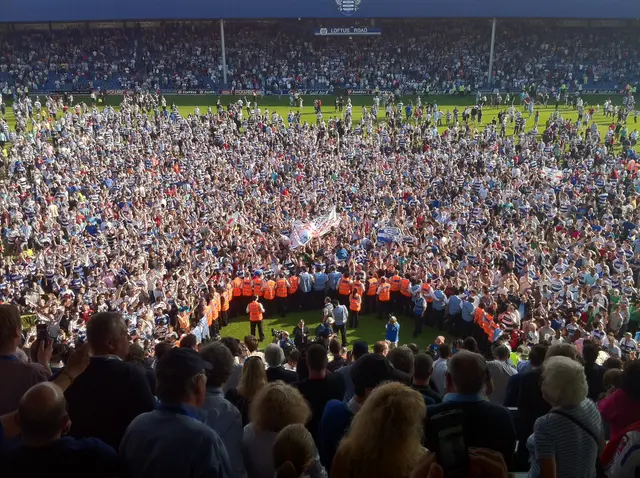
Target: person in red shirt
(622,408)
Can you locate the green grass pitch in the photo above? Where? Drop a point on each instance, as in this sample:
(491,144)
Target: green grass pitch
(280,104)
(371,329)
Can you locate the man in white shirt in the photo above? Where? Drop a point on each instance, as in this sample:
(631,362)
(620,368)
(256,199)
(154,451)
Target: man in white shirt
(440,368)
(500,371)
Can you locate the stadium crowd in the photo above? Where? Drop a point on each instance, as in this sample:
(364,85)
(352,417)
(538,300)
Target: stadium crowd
(140,234)
(282,56)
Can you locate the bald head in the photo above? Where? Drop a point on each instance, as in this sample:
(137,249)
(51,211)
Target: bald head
(466,372)
(42,413)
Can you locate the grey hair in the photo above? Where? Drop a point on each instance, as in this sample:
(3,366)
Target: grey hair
(274,355)
(102,327)
(564,383)
(501,352)
(562,350)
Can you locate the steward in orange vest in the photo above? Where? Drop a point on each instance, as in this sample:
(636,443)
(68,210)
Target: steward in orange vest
(344,289)
(294,284)
(384,299)
(371,294)
(358,286)
(355,304)
(395,283)
(226,295)
(257,285)
(282,292)
(405,304)
(269,289)
(256,311)
(247,294)
(247,287)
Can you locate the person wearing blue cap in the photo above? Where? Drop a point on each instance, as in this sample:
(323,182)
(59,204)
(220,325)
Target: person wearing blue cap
(154,439)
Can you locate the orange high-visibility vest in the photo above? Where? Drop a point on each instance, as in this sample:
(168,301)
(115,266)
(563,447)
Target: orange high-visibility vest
(255,312)
(208,313)
(247,288)
(257,287)
(281,288)
(355,303)
(478,315)
(229,288)
(294,283)
(216,301)
(237,287)
(270,290)
(404,287)
(183,321)
(426,289)
(226,296)
(345,287)
(373,286)
(385,293)
(395,283)
(359,287)
(214,309)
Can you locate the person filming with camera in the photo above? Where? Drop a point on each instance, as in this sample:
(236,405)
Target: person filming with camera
(282,338)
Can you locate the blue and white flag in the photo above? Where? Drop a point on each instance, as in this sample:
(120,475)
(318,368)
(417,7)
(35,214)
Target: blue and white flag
(387,235)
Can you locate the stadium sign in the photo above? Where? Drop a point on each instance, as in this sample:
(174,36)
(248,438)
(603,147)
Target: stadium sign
(241,92)
(348,31)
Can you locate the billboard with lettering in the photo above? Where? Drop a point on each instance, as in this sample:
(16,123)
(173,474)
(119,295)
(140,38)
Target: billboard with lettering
(83,10)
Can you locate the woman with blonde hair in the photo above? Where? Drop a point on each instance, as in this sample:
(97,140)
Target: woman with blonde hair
(385,438)
(253,379)
(295,454)
(274,407)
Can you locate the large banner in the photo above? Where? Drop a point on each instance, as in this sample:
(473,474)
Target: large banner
(149,10)
(303,232)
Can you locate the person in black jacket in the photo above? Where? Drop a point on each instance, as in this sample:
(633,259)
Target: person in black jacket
(104,400)
(274,356)
(136,357)
(593,371)
(536,357)
(320,386)
(486,425)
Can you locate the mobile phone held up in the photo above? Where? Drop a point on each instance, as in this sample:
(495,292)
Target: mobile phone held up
(447,432)
(45,332)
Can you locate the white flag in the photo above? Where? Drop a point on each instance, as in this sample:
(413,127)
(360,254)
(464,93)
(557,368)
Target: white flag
(303,232)
(300,234)
(323,224)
